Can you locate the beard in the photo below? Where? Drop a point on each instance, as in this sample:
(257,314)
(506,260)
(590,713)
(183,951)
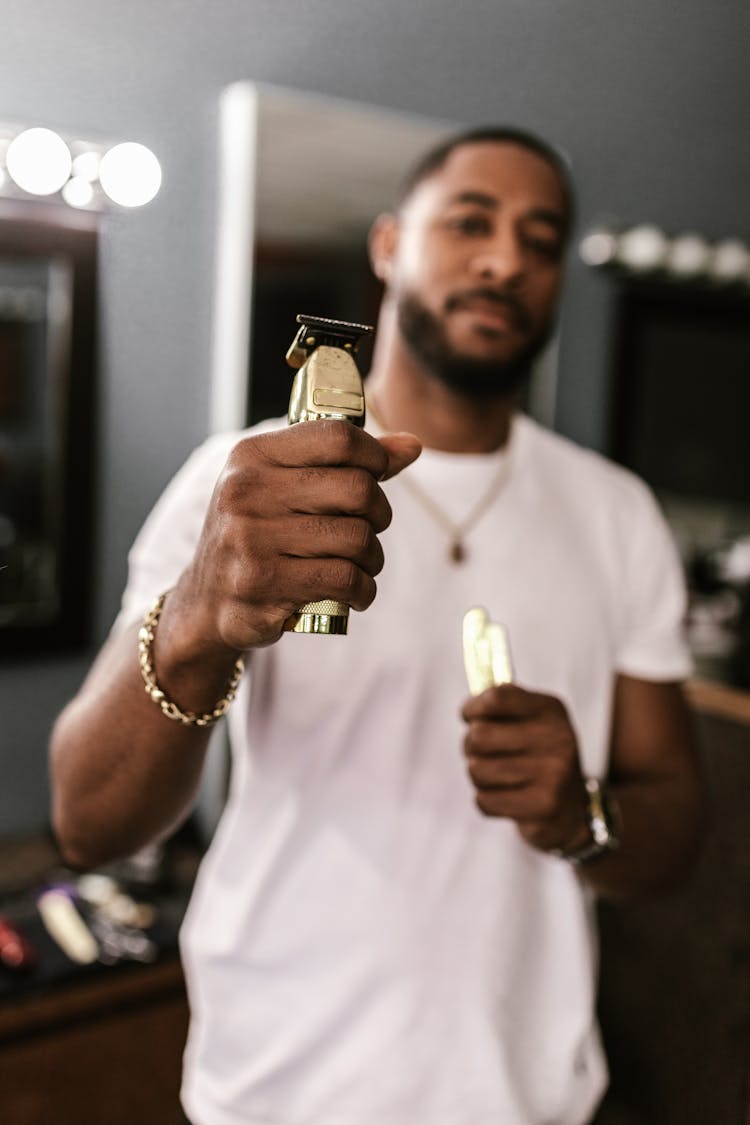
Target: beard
(473,377)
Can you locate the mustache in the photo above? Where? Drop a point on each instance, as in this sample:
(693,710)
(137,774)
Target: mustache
(501,297)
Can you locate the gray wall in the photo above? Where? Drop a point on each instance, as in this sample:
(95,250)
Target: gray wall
(650,100)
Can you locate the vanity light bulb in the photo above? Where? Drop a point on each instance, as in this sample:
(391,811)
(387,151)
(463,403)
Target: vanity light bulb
(642,248)
(78,192)
(130,174)
(86,166)
(688,256)
(39,161)
(598,247)
(730,260)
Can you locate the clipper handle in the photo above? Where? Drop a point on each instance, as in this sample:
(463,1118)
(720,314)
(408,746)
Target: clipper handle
(486,646)
(327,385)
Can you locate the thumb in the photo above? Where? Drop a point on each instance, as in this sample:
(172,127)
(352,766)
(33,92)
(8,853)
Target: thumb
(402,449)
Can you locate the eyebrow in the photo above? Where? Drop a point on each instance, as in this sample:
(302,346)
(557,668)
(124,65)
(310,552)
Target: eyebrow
(482,199)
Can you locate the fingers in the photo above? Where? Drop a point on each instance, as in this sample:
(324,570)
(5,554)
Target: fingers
(326,537)
(294,518)
(526,789)
(327,442)
(331,442)
(510,702)
(522,760)
(402,450)
(322,467)
(334,491)
(283,583)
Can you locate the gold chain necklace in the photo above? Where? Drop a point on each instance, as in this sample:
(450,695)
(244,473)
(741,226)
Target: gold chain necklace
(457,532)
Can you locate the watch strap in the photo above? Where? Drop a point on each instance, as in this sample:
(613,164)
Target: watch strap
(602,823)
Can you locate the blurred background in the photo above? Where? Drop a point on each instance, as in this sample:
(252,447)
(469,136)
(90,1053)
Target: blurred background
(152,316)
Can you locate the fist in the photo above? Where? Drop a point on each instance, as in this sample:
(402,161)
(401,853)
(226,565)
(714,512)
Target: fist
(522,759)
(294,517)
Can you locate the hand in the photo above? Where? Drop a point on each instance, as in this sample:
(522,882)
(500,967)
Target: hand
(522,757)
(294,518)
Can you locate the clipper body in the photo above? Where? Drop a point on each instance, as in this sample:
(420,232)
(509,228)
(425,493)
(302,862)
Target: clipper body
(327,385)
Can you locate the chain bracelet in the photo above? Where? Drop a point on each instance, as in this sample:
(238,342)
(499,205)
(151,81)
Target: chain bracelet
(169,708)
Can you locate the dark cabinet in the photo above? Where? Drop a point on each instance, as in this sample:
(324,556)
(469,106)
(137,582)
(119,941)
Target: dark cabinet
(106,1050)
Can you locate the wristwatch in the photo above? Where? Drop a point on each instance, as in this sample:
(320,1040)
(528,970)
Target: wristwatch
(603,822)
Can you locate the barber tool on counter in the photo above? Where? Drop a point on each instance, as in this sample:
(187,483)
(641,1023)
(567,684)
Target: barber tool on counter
(16,951)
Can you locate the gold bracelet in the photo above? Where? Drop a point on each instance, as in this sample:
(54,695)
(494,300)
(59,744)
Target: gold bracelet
(146,636)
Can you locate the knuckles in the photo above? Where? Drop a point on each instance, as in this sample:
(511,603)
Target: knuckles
(347,579)
(341,438)
(347,444)
(246,553)
(237,486)
(362,545)
(362,491)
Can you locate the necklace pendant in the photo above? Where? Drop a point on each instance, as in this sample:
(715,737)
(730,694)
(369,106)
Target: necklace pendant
(457,553)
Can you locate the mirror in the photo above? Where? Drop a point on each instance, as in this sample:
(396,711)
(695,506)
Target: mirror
(47,287)
(302,179)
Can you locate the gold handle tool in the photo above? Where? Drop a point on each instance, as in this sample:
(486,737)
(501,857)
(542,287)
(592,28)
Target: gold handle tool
(327,385)
(487,657)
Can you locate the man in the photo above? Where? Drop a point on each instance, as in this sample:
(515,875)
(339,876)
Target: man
(394,920)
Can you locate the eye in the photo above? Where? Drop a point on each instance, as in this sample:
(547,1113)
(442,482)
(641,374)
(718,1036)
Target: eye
(547,248)
(473,225)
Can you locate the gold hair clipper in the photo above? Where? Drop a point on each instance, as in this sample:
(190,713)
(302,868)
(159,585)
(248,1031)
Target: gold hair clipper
(327,385)
(487,656)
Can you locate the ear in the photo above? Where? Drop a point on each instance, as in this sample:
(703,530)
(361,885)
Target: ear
(382,244)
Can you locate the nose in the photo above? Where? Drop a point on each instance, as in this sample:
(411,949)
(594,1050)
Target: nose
(500,258)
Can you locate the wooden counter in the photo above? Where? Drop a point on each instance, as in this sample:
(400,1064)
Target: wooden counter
(708,697)
(106,1049)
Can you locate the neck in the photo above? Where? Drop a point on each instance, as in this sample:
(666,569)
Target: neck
(402,395)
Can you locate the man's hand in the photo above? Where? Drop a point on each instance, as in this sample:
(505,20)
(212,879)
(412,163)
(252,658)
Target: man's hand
(522,757)
(294,518)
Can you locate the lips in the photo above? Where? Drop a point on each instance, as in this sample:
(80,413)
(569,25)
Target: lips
(497,310)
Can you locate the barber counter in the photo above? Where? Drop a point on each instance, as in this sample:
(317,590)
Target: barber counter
(84,1043)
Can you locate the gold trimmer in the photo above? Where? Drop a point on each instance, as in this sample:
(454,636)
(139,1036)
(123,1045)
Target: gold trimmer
(487,657)
(327,385)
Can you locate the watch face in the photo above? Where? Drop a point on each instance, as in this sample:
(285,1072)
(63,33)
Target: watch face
(601,814)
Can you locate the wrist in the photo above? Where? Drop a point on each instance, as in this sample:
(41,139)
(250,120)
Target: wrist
(602,828)
(192,686)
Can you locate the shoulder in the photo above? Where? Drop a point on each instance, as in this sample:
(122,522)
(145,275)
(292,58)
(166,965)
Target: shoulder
(566,467)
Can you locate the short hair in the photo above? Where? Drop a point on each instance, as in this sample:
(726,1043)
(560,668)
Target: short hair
(434,159)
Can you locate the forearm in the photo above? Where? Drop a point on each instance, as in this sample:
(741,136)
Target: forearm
(123,774)
(662,825)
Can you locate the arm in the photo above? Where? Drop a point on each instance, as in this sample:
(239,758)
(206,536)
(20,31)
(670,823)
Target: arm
(523,761)
(294,517)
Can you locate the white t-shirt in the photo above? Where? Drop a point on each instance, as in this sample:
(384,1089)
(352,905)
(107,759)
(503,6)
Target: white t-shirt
(363,946)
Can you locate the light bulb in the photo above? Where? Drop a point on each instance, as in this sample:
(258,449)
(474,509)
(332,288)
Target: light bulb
(39,161)
(688,255)
(598,247)
(130,174)
(642,248)
(78,192)
(86,165)
(730,260)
